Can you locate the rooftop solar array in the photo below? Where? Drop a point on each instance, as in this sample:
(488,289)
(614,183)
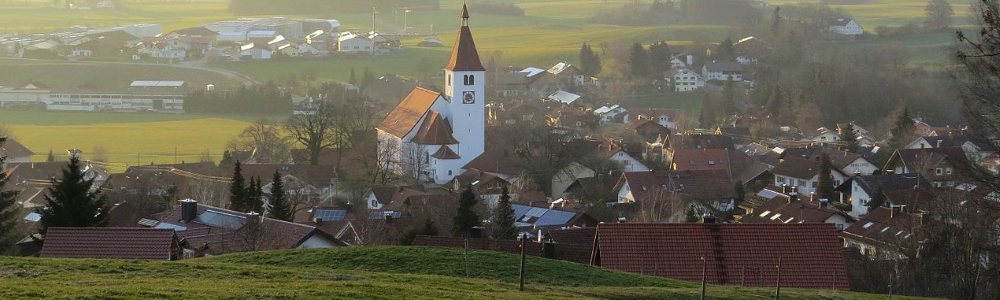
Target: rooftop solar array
(382,214)
(330,214)
(221,219)
(163,225)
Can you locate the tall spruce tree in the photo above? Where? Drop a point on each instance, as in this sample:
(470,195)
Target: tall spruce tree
(659,58)
(281,208)
(825,188)
(849,137)
(238,189)
(877,200)
(638,61)
(503,218)
(69,202)
(903,130)
(466,217)
(590,63)
(254,199)
(8,210)
(51,157)
(353,79)
(258,201)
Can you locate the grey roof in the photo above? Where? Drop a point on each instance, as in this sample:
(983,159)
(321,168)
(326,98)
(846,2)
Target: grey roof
(892,182)
(724,66)
(526,216)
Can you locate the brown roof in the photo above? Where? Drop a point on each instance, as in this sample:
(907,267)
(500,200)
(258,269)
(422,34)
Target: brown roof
(125,215)
(781,210)
(108,242)
(464,56)
(435,130)
(701,159)
(401,120)
(445,153)
(799,168)
(883,227)
(575,244)
(810,254)
(11,148)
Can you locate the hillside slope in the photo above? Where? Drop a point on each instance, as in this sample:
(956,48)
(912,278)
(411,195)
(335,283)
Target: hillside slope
(351,273)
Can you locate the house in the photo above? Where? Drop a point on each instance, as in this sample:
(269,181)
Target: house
(563,97)
(741,135)
(700,159)
(533,220)
(15,152)
(567,116)
(748,49)
(976,149)
(684,80)
(445,130)
(650,130)
(937,165)
(568,74)
(703,185)
(846,26)
(824,135)
(886,234)
(609,114)
(212,230)
(487,186)
(255,51)
(809,255)
(804,174)
(510,166)
(848,163)
(669,118)
(723,71)
(289,50)
(111,243)
(864,188)
(349,42)
(380,196)
(617,153)
(682,60)
(782,208)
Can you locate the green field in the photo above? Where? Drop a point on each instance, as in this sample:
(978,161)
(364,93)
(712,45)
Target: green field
(59,74)
(354,273)
(129,139)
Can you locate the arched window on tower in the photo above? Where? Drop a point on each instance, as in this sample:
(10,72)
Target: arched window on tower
(470,79)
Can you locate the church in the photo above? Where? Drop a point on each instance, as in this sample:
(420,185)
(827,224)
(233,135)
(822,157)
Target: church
(430,135)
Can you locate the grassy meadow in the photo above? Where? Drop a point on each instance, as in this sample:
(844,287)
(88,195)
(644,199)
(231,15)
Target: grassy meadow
(129,139)
(355,273)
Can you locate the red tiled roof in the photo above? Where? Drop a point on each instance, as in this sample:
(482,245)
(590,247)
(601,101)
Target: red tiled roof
(575,244)
(810,254)
(881,227)
(401,120)
(445,153)
(780,210)
(108,242)
(464,56)
(434,131)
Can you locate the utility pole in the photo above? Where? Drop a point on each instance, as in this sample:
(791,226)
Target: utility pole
(524,246)
(777,284)
(372,36)
(704,270)
(466,256)
(406,13)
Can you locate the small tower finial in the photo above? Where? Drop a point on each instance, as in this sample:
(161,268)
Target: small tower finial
(465,15)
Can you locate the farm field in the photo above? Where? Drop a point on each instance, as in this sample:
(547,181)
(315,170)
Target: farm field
(57,74)
(355,273)
(129,139)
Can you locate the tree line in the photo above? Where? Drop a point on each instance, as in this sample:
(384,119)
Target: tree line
(721,12)
(266,98)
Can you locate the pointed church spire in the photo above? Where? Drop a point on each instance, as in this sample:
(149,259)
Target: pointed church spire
(464,56)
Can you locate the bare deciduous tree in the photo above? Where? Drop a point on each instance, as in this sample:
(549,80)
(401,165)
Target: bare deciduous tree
(266,139)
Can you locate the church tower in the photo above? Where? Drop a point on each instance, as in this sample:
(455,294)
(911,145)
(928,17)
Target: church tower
(465,88)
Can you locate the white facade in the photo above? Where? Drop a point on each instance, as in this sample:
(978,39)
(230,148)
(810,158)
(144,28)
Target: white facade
(861,166)
(685,80)
(807,186)
(354,44)
(629,163)
(848,27)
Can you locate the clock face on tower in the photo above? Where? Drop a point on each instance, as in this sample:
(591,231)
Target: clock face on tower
(468,97)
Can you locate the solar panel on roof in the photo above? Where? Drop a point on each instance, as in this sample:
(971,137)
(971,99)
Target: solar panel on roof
(33,217)
(382,214)
(170,226)
(221,219)
(148,222)
(330,214)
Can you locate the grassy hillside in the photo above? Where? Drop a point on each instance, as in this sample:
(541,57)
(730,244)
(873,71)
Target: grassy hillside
(351,273)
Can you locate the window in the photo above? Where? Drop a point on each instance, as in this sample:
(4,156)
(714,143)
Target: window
(947,171)
(938,171)
(449,79)
(780,179)
(469,79)
(711,162)
(449,172)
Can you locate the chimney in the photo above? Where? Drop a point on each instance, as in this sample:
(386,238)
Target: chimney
(708,219)
(896,210)
(253,221)
(812,197)
(784,189)
(388,216)
(824,202)
(938,144)
(793,196)
(318,221)
(75,153)
(477,232)
(621,220)
(189,210)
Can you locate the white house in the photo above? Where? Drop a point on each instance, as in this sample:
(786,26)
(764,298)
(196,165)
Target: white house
(438,132)
(608,114)
(564,97)
(846,27)
(684,80)
(804,174)
(824,135)
(255,51)
(353,43)
(864,188)
(723,71)
(15,152)
(681,61)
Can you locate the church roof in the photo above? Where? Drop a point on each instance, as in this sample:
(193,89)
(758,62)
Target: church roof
(401,120)
(464,56)
(445,153)
(434,131)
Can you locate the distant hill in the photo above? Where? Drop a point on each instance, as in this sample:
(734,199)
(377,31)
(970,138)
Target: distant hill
(353,273)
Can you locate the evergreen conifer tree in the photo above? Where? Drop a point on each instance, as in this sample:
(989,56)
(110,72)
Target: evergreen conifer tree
(466,217)
(428,228)
(238,189)
(877,200)
(503,218)
(8,210)
(69,202)
(825,189)
(638,61)
(903,130)
(258,194)
(281,208)
(850,138)
(590,63)
(51,157)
